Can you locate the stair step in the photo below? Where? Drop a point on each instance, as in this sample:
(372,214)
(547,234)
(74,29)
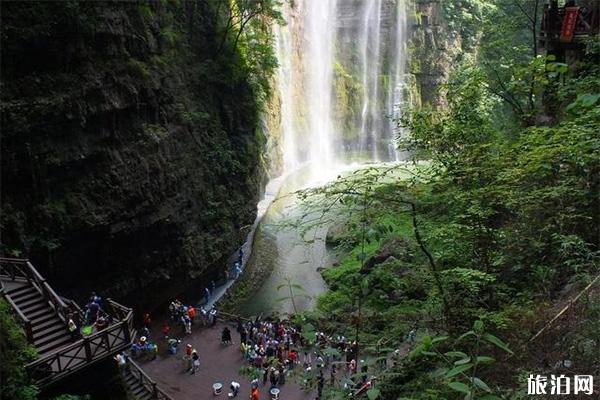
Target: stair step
(20,290)
(27,297)
(138,390)
(48,323)
(51,336)
(58,326)
(39,311)
(23,294)
(41,320)
(29,304)
(54,345)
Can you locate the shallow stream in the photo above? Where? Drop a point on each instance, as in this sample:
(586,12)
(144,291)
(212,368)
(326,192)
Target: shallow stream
(293,257)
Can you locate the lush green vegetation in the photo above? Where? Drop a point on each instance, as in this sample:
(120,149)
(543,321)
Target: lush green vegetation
(490,237)
(15,352)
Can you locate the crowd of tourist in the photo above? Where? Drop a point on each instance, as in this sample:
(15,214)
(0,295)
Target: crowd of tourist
(273,347)
(276,347)
(90,320)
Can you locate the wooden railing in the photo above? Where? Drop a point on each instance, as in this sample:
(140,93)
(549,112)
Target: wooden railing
(149,385)
(21,268)
(114,338)
(90,349)
(22,319)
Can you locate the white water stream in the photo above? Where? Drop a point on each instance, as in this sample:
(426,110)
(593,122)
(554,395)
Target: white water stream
(340,84)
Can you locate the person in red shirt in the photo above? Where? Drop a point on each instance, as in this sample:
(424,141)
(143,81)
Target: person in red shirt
(147,320)
(191,313)
(292,358)
(165,330)
(255,395)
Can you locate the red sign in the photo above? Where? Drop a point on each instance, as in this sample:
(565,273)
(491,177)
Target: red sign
(568,25)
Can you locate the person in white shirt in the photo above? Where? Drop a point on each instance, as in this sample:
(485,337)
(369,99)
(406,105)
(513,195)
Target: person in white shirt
(235,388)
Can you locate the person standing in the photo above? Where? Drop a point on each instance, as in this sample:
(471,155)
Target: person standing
(265,376)
(165,330)
(187,358)
(320,382)
(121,362)
(191,313)
(333,373)
(72,326)
(274,377)
(195,362)
(147,320)
(237,270)
(255,394)
(187,323)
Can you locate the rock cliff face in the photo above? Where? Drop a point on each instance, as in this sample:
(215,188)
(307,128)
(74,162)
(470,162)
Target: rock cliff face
(130,146)
(434,49)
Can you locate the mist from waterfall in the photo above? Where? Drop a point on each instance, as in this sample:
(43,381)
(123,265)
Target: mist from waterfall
(340,81)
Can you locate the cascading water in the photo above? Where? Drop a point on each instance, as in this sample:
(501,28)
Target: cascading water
(340,81)
(398,100)
(285,79)
(370,48)
(339,85)
(317,64)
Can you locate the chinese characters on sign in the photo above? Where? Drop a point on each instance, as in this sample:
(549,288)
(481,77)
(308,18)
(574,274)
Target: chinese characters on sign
(569,23)
(560,385)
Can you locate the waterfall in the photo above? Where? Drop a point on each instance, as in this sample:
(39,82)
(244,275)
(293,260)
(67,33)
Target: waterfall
(285,79)
(397,100)
(318,63)
(340,81)
(370,48)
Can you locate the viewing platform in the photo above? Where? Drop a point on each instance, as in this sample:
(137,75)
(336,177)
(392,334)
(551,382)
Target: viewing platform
(44,316)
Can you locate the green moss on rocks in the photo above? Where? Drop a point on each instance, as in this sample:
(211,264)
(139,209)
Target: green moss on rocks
(132,145)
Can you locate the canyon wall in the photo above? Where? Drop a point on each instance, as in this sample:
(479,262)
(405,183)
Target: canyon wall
(439,39)
(131,146)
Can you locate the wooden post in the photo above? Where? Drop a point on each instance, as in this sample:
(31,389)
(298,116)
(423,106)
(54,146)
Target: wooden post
(29,331)
(88,350)
(154,391)
(126,332)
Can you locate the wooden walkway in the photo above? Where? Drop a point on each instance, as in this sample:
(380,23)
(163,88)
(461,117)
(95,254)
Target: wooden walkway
(218,363)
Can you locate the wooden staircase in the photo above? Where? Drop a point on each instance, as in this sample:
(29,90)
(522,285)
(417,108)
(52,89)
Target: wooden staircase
(140,385)
(48,330)
(136,388)
(44,316)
